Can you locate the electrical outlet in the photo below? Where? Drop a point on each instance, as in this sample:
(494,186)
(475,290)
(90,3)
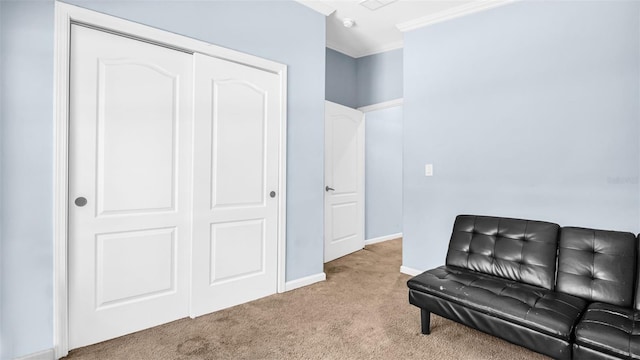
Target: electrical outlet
(428,170)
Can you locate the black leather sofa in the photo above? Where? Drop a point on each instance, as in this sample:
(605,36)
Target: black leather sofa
(564,292)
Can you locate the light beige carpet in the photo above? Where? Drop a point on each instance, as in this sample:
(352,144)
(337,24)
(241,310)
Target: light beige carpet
(360,312)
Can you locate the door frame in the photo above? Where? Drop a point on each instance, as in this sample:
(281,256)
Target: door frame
(65,15)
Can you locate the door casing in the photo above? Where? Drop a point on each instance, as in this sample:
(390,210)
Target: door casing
(65,15)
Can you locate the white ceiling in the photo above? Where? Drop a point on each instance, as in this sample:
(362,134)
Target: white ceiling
(380,30)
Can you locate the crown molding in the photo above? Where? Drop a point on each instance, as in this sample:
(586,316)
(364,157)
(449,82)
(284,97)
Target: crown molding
(382,106)
(339,48)
(452,13)
(381,49)
(318,6)
(358,54)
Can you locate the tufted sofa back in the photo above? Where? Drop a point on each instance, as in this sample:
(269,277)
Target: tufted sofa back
(597,265)
(637,297)
(520,250)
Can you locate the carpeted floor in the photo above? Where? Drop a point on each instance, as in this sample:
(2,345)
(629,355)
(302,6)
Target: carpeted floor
(360,312)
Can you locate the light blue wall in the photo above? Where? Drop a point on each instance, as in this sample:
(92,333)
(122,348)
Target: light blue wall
(379,77)
(363,81)
(341,79)
(257,28)
(528,110)
(383,157)
(27,177)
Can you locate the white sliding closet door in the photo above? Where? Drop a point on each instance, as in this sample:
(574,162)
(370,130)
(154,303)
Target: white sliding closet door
(236,164)
(129,185)
(174,164)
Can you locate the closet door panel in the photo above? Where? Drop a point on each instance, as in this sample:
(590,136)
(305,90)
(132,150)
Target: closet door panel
(129,185)
(239,132)
(236,165)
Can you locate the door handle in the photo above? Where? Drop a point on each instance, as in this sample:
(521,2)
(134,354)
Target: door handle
(81,201)
(327,188)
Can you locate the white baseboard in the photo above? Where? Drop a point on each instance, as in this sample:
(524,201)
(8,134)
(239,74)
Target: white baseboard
(42,355)
(382,238)
(410,271)
(305,281)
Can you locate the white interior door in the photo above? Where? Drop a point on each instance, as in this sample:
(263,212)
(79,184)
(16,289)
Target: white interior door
(129,185)
(344,181)
(236,165)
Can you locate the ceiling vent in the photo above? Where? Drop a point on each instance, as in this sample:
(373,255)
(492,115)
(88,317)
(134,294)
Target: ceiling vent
(375,4)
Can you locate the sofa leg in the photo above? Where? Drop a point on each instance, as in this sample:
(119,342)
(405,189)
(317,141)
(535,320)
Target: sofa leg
(425,319)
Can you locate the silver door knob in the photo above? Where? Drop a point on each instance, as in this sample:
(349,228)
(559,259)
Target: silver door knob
(81,201)
(327,188)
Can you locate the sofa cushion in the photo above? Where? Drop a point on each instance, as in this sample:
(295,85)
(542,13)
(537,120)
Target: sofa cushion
(597,265)
(520,250)
(553,346)
(537,308)
(610,329)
